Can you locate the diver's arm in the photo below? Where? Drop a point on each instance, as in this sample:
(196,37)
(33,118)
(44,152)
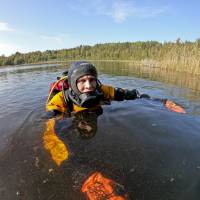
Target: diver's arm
(119,94)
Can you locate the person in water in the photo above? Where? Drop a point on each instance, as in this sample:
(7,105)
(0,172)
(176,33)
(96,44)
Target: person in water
(86,92)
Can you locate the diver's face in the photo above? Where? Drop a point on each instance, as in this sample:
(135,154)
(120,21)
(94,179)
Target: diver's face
(87,83)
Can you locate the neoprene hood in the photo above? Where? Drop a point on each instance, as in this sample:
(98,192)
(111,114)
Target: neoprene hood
(77,70)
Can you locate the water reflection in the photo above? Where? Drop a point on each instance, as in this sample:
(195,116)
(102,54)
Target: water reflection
(57,149)
(83,124)
(183,80)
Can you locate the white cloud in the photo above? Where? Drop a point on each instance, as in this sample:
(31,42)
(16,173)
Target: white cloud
(119,10)
(122,10)
(5,27)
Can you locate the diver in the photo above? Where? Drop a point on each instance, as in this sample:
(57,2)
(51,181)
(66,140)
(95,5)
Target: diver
(85,92)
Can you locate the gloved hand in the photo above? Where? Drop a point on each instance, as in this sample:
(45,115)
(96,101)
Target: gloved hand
(145,96)
(131,94)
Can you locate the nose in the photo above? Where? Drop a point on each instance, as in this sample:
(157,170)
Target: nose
(88,84)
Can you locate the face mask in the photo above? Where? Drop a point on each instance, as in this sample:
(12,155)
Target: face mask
(91,99)
(86,100)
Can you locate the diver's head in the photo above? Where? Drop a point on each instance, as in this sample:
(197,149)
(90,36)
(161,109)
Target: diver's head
(78,70)
(82,79)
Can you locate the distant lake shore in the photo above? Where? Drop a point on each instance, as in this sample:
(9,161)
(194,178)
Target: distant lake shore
(168,66)
(176,56)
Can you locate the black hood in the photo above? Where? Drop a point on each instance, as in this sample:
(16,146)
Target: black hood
(77,70)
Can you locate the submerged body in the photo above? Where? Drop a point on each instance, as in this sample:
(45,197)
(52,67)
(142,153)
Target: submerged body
(84,98)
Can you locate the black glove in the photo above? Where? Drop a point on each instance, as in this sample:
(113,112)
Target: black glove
(145,96)
(131,94)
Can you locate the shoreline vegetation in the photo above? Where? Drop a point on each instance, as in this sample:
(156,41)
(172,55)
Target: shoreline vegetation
(169,56)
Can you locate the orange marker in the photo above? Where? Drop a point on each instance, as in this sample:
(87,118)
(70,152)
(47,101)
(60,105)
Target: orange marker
(98,187)
(174,107)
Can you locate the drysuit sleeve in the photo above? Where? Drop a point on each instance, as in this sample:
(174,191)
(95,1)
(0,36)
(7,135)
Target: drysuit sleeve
(108,92)
(57,103)
(119,94)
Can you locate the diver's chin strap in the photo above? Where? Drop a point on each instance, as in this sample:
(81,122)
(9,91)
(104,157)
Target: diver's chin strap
(73,97)
(68,102)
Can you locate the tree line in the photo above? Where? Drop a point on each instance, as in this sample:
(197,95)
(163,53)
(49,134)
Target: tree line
(178,55)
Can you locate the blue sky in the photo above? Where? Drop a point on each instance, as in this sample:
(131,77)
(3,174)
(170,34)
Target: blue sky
(30,25)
